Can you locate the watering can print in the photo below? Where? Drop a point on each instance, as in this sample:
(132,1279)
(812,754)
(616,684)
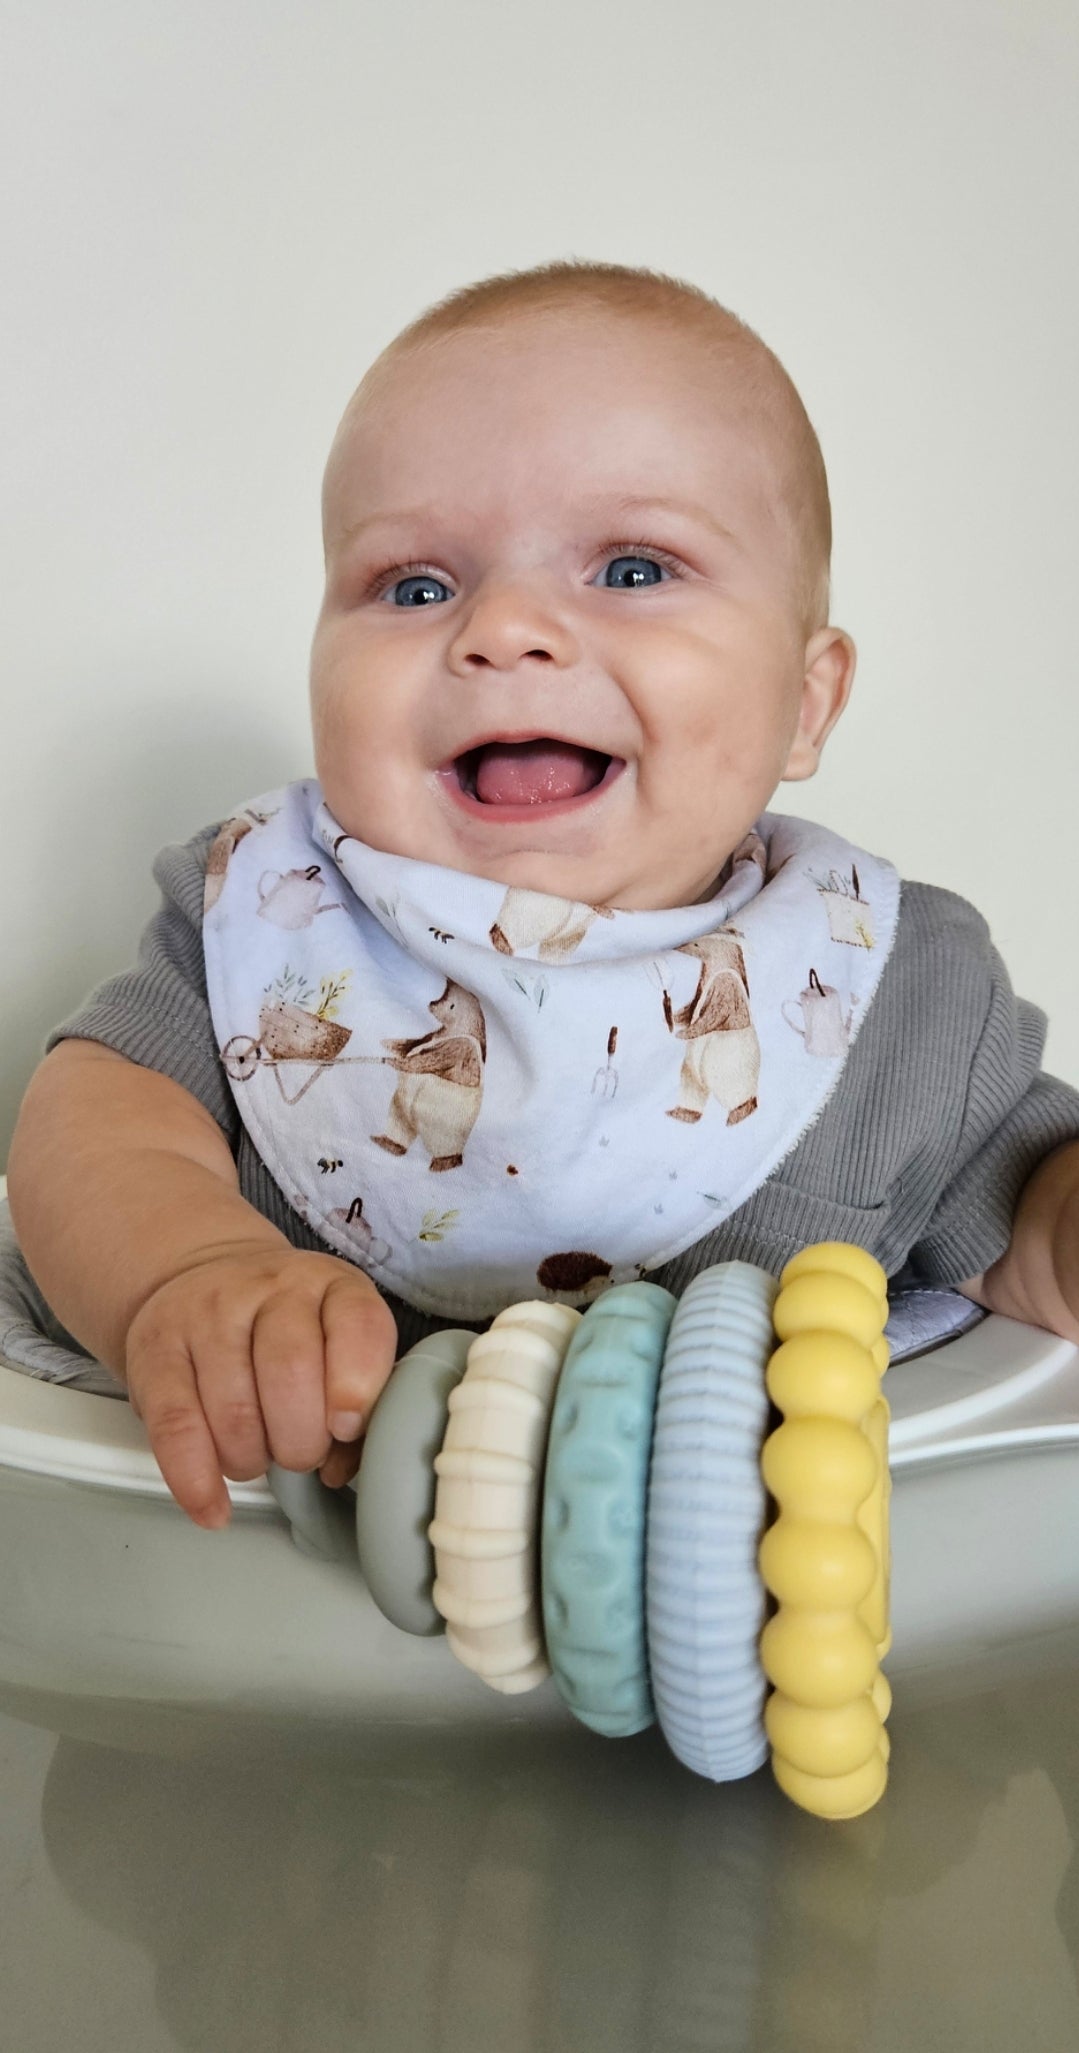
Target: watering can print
(821,1025)
(292,900)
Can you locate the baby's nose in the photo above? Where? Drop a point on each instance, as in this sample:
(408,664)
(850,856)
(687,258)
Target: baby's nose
(509,622)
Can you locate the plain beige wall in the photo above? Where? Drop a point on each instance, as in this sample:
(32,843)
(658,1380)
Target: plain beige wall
(217,214)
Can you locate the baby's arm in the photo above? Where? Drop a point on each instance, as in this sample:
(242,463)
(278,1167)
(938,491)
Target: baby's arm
(1037,1278)
(236,1348)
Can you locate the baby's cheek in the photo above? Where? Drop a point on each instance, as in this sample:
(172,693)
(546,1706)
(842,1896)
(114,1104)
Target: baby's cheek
(343,710)
(711,744)
(366,787)
(343,750)
(330,731)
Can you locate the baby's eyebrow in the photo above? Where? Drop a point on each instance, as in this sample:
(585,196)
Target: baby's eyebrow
(409,518)
(599,504)
(634,502)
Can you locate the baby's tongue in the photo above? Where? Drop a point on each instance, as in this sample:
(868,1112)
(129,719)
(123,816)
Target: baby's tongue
(532,773)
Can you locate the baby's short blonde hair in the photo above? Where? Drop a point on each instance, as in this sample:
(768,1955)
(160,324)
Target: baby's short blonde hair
(766,393)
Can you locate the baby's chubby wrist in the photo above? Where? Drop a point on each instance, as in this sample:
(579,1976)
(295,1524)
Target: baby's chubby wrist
(1065,1241)
(1037,1279)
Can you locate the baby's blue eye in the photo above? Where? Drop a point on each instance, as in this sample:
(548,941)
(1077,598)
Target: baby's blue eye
(637,563)
(419,591)
(422,588)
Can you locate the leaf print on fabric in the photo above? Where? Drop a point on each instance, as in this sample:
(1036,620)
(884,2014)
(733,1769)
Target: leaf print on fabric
(390,913)
(436,1225)
(289,988)
(535,989)
(330,991)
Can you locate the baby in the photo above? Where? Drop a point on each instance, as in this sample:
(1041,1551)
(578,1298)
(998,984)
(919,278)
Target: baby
(530,993)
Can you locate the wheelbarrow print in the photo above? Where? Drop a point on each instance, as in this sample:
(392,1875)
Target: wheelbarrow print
(290,1034)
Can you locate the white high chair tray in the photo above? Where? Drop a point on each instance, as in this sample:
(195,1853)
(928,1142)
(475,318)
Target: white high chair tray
(120,1620)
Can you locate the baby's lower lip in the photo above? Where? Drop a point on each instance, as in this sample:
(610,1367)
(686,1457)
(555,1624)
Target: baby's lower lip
(511,815)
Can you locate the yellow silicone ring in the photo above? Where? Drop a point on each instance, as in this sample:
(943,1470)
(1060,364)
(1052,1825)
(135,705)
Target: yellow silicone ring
(826,1558)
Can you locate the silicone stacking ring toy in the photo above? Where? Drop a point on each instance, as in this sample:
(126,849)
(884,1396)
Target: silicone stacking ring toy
(594,1498)
(395,1487)
(706,1512)
(485,1528)
(826,1557)
(600,1488)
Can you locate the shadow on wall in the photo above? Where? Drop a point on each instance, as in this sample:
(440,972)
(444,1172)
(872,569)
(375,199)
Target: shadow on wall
(175,768)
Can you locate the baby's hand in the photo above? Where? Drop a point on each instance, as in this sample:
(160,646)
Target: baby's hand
(254,1356)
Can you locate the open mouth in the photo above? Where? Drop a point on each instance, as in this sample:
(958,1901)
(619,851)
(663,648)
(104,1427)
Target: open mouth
(539,771)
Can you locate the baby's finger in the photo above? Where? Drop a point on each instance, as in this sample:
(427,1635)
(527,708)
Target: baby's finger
(229,1398)
(164,1386)
(341,1464)
(287,1350)
(361,1343)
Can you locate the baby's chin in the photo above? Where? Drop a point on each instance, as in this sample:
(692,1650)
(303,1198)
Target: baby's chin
(579,880)
(556,875)
(598,862)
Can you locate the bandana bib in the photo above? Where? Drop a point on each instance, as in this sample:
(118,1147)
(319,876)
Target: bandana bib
(481,1094)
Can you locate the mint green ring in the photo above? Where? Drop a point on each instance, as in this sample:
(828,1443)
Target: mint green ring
(594,1501)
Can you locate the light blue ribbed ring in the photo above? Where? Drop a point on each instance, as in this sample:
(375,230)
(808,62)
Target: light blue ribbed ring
(707,1507)
(594,1499)
(395,1487)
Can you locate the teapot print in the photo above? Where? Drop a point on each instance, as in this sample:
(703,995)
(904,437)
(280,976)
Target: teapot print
(822,1025)
(291,899)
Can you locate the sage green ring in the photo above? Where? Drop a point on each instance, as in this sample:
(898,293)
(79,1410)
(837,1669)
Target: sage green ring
(395,1487)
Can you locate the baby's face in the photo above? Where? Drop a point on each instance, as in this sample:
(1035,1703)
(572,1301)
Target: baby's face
(561,644)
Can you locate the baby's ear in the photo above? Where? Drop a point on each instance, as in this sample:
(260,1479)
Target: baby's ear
(830,660)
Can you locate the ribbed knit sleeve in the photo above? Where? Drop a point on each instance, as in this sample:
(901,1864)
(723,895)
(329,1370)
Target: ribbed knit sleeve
(1014,1114)
(157,1013)
(943,1111)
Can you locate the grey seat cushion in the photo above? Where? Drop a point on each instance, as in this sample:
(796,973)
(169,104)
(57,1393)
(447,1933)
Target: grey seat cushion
(31,1338)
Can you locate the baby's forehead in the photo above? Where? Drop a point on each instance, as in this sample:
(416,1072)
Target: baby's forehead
(561,353)
(658,405)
